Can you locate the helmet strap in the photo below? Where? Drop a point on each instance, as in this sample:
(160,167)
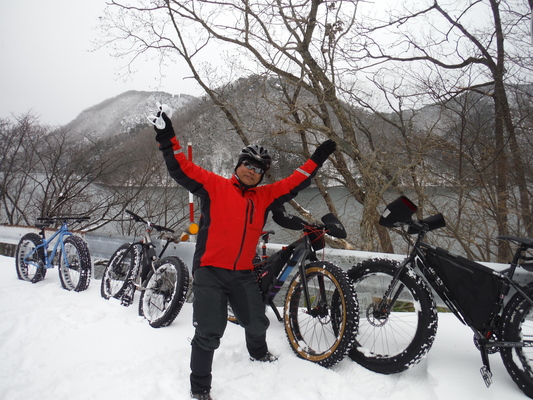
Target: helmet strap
(244,185)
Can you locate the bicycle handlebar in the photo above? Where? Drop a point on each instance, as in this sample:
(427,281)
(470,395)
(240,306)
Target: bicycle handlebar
(399,214)
(158,228)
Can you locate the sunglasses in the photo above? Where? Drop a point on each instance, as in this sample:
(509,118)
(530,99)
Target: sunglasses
(251,166)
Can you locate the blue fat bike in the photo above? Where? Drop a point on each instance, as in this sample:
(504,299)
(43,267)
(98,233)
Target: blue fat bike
(36,253)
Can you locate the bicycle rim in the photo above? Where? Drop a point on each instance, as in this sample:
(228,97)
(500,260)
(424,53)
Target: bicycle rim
(119,271)
(164,295)
(75,264)
(324,334)
(398,336)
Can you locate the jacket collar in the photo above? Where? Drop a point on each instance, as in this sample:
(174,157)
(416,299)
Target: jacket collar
(241,186)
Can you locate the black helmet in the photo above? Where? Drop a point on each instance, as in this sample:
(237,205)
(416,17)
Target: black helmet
(258,155)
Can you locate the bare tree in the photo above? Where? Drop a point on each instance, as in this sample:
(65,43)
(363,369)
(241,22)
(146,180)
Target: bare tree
(475,46)
(18,146)
(329,58)
(43,173)
(296,43)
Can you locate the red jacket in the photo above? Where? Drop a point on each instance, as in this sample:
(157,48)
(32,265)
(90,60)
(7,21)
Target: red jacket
(232,217)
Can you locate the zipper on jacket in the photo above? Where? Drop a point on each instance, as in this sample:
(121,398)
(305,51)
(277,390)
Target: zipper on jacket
(249,217)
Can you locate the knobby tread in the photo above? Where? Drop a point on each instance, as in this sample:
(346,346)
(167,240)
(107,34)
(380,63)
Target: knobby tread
(83,270)
(23,270)
(174,296)
(340,322)
(378,346)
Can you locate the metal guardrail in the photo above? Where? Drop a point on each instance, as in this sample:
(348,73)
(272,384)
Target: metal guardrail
(101,247)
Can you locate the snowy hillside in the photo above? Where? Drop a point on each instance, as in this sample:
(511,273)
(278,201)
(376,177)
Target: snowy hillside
(122,113)
(59,345)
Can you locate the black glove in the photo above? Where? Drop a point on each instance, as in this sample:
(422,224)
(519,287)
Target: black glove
(167,132)
(323,151)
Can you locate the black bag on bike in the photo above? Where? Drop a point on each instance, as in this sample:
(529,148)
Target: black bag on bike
(270,268)
(473,286)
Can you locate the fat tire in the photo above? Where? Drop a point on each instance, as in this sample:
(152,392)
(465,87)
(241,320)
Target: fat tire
(517,324)
(124,262)
(76,276)
(165,292)
(28,272)
(396,342)
(335,323)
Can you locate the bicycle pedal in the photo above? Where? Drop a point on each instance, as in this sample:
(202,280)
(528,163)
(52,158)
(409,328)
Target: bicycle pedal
(126,300)
(487,375)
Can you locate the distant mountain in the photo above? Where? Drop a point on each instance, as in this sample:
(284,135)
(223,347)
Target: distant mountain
(258,104)
(121,120)
(123,114)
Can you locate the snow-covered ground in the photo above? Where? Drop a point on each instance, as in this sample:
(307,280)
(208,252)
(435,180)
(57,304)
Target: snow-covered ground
(63,345)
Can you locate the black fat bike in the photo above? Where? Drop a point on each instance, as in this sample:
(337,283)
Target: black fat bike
(320,307)
(398,315)
(163,282)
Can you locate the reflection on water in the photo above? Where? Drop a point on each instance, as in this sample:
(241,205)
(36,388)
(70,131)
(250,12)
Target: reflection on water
(350,215)
(175,200)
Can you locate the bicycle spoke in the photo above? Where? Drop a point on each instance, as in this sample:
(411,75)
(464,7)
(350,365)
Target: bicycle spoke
(165,292)
(323,330)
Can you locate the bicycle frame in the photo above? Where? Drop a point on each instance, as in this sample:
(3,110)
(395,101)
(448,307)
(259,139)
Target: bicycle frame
(302,250)
(441,290)
(149,257)
(148,253)
(48,257)
(485,338)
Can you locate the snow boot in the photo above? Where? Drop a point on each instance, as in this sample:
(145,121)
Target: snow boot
(201,396)
(268,357)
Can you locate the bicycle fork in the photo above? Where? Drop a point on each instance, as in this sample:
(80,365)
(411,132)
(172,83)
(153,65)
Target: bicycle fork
(391,295)
(321,308)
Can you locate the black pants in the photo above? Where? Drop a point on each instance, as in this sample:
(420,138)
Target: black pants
(213,288)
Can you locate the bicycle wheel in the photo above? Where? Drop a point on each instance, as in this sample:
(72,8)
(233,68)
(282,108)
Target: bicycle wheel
(29,262)
(75,264)
(123,264)
(165,292)
(324,334)
(398,337)
(517,326)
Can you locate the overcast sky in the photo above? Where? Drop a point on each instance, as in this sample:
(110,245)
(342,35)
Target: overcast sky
(49,65)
